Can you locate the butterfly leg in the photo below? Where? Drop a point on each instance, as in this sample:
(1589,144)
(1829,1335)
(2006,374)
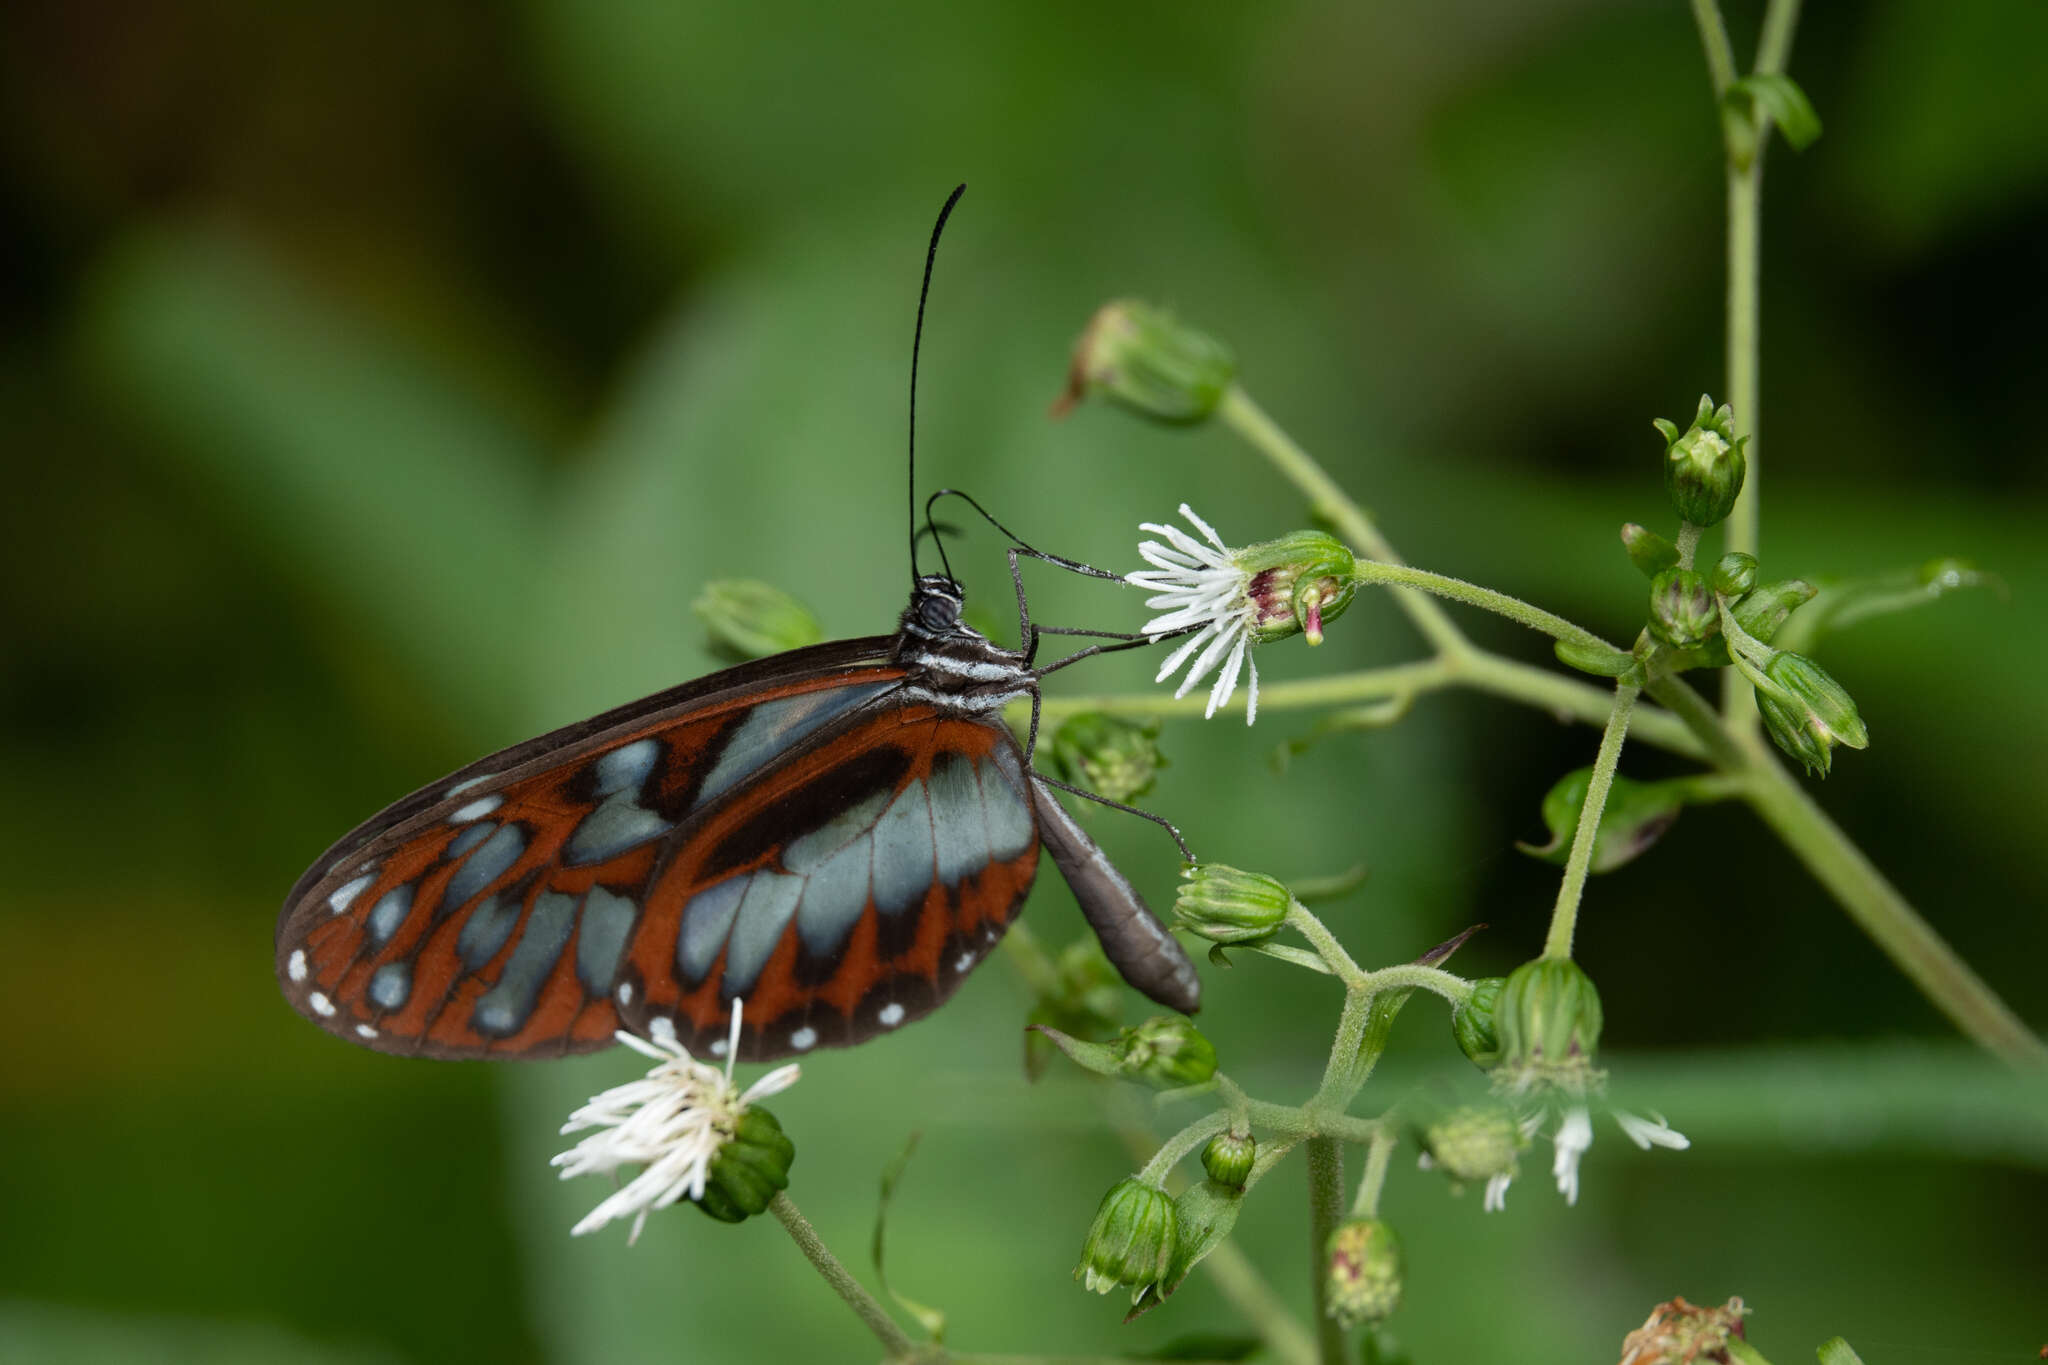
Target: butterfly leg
(1187,855)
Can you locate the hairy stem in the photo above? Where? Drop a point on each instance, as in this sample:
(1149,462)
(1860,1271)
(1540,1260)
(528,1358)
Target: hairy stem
(1326,1203)
(1458,590)
(1564,697)
(1564,916)
(894,1340)
(1377,1157)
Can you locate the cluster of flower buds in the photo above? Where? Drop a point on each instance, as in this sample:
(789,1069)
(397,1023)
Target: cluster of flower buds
(1296,583)
(1477,1144)
(1149,361)
(1166,1050)
(1111,756)
(1678,1332)
(1362,1271)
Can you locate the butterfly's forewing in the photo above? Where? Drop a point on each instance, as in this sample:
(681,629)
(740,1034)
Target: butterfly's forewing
(485,915)
(795,834)
(842,895)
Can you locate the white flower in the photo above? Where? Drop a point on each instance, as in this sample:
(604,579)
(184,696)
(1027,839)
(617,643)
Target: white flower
(1573,1137)
(672,1123)
(1198,585)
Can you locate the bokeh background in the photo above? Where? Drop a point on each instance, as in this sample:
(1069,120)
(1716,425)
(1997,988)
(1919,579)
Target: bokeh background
(380,383)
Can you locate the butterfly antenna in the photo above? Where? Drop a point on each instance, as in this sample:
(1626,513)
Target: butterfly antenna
(916,342)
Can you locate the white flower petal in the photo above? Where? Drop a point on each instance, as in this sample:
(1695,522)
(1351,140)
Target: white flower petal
(1204,528)
(1574,1136)
(1651,1132)
(1226,681)
(1210,657)
(1189,646)
(1497,1192)
(1251,709)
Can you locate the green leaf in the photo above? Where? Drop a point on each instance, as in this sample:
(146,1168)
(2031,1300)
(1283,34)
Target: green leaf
(1100,1058)
(1838,1352)
(932,1320)
(1779,97)
(1846,603)
(1636,816)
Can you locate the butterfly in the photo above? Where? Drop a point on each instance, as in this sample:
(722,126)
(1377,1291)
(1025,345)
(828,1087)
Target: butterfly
(829,840)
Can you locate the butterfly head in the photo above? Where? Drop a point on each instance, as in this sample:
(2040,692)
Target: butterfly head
(934,610)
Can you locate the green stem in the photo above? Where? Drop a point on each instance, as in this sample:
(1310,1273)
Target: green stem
(1774,49)
(1458,590)
(1455,989)
(1565,697)
(1325,1203)
(1745,225)
(1688,543)
(1714,38)
(1740,1351)
(1335,506)
(1377,1156)
(1175,1148)
(1889,920)
(1304,921)
(894,1340)
(1240,1281)
(1564,916)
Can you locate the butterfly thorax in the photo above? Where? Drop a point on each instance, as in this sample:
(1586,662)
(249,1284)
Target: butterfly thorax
(951,663)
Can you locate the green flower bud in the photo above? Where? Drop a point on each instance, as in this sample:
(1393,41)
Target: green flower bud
(1548,1017)
(1109,755)
(1150,362)
(1362,1271)
(1767,606)
(1475,1143)
(749,619)
(1297,583)
(1166,1050)
(1810,713)
(1472,1023)
(1228,905)
(751,1168)
(1131,1241)
(1228,1158)
(1704,465)
(1735,574)
(1682,612)
(1647,550)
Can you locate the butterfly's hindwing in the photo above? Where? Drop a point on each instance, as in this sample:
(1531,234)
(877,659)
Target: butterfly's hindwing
(844,895)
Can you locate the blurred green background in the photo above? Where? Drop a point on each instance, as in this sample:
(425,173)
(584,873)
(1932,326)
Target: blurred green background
(380,383)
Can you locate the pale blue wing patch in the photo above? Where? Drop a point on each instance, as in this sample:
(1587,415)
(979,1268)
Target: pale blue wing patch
(388,913)
(773,727)
(764,913)
(904,857)
(390,984)
(607,920)
(486,930)
(502,1010)
(626,767)
(806,852)
(958,830)
(1004,808)
(485,866)
(707,919)
(468,839)
(835,894)
(619,823)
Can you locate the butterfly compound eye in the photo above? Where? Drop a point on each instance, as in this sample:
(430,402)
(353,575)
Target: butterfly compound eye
(938,614)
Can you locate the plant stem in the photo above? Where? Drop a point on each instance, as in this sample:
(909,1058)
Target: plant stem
(1304,921)
(894,1340)
(1455,989)
(1890,921)
(1334,505)
(1714,39)
(1325,1202)
(1377,1156)
(1180,1144)
(1458,590)
(1564,916)
(1566,698)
